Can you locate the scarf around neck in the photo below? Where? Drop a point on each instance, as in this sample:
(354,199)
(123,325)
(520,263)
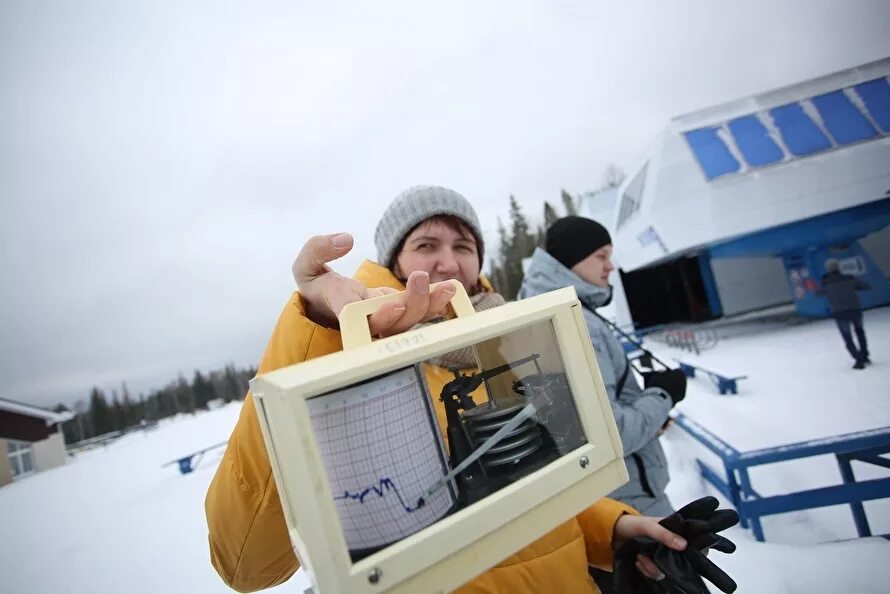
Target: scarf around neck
(463,358)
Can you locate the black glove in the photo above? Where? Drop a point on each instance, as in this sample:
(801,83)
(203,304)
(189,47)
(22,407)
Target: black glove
(680,576)
(672,381)
(698,522)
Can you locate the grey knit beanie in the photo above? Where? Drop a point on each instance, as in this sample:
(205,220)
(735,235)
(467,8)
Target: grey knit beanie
(415,205)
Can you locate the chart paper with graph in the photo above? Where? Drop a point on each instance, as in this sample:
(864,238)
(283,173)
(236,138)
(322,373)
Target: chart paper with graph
(381,451)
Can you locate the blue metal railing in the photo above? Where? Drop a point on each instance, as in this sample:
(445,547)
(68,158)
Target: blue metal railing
(864,446)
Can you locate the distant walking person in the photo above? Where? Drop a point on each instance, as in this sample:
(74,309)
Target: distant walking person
(840,289)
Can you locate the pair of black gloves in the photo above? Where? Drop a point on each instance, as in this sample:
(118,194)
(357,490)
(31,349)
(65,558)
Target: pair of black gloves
(672,381)
(698,522)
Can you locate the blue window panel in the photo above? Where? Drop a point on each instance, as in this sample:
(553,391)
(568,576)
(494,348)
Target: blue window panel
(713,156)
(754,141)
(801,134)
(844,121)
(876,96)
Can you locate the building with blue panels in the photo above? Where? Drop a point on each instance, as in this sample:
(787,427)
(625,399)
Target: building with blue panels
(738,206)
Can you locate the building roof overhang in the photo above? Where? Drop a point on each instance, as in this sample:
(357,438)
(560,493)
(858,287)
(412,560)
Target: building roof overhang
(28,410)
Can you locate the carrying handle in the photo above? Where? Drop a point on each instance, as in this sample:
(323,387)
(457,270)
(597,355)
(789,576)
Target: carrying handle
(354,330)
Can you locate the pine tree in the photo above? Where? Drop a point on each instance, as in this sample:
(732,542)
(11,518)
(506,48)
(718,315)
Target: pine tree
(141,408)
(150,407)
(100,412)
(550,217)
(167,402)
(102,415)
(131,416)
(184,395)
(233,388)
(203,390)
(242,381)
(569,203)
(118,416)
(522,244)
(504,241)
(217,380)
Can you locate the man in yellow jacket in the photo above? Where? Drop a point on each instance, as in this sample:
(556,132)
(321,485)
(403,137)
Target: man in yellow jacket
(427,235)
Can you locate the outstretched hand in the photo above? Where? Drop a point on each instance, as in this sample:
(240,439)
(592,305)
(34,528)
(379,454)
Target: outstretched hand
(699,522)
(677,570)
(630,527)
(325,293)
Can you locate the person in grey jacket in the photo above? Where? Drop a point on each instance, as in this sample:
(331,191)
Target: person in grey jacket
(840,290)
(578,254)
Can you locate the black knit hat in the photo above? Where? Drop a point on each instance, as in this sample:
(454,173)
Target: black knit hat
(571,239)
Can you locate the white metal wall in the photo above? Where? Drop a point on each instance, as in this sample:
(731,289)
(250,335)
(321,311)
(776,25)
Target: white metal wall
(48,453)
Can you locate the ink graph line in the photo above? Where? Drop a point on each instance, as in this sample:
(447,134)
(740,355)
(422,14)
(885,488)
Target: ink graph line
(384,486)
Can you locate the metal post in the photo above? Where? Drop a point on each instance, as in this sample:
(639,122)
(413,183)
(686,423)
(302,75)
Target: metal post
(862,527)
(748,493)
(733,485)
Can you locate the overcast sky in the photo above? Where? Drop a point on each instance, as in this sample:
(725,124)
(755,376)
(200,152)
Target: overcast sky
(161,163)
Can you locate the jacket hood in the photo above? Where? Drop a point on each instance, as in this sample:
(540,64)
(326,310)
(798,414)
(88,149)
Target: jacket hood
(546,273)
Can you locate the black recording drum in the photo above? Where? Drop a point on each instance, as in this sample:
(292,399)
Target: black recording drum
(508,437)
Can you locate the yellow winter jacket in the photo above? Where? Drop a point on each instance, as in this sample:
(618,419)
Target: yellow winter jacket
(249,544)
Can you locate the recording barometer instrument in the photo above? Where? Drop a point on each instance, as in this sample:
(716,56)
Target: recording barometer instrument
(398,476)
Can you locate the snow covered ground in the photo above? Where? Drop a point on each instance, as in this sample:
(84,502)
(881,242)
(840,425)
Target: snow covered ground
(114,521)
(800,386)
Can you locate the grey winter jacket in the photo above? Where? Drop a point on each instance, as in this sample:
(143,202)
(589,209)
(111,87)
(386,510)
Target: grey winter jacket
(840,289)
(639,413)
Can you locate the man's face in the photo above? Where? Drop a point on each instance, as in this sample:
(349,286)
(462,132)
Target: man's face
(443,252)
(596,267)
